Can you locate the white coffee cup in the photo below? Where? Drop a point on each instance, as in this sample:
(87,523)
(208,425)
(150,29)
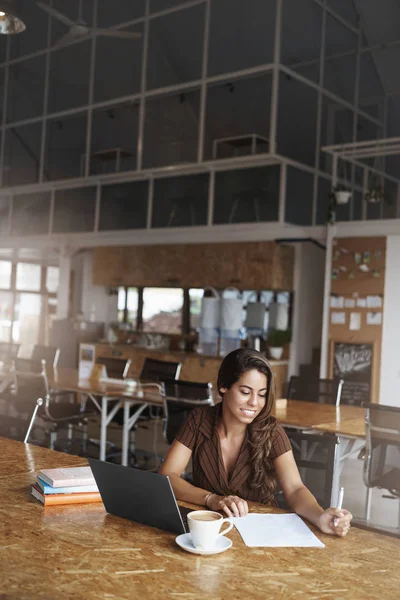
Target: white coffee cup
(130,385)
(204,526)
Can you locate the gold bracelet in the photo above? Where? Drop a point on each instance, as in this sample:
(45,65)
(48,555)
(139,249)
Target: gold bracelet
(207,499)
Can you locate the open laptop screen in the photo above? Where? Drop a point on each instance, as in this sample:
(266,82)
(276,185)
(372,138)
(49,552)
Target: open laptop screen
(140,496)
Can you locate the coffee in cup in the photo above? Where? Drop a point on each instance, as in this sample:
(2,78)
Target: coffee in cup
(204,527)
(207,516)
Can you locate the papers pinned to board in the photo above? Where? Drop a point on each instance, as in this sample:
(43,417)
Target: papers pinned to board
(276,531)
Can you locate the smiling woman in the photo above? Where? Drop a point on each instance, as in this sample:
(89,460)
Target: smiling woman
(239,451)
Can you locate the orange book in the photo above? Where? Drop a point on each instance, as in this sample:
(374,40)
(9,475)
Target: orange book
(57,499)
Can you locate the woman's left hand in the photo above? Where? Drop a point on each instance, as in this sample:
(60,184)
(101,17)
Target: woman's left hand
(327,521)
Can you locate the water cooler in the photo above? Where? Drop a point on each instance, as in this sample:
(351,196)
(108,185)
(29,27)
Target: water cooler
(209,322)
(231,320)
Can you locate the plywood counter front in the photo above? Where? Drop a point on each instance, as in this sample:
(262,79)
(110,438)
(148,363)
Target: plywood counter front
(79,552)
(195,367)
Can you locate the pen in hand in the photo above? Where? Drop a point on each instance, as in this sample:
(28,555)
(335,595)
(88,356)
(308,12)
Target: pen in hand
(339,506)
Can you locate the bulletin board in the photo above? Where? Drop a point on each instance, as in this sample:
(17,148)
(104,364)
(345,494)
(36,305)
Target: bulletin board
(357,300)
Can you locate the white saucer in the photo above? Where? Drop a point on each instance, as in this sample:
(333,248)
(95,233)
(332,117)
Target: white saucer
(185,541)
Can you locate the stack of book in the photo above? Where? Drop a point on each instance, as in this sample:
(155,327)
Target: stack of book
(66,486)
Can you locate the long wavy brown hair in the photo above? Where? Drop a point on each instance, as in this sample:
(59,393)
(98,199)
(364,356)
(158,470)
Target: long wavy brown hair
(260,430)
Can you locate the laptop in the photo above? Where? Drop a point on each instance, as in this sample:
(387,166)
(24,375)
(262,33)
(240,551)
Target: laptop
(140,496)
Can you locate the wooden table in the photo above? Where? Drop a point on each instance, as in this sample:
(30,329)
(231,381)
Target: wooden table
(323,417)
(346,422)
(111,395)
(349,428)
(81,553)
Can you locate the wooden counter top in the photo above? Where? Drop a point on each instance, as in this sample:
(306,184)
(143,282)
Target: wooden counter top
(181,354)
(80,552)
(195,367)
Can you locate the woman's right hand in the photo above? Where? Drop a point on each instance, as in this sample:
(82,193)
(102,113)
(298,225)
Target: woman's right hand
(232,506)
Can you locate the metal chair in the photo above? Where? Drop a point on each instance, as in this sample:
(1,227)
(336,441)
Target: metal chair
(47,353)
(159,370)
(27,365)
(155,371)
(315,456)
(58,410)
(324,391)
(180,398)
(117,368)
(8,351)
(382,462)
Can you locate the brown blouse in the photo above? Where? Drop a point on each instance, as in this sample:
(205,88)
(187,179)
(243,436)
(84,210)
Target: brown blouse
(199,434)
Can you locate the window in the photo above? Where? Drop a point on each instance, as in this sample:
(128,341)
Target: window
(121,304)
(162,310)
(28,277)
(5,274)
(30,214)
(128,304)
(247,195)
(52,279)
(74,210)
(6,302)
(132,303)
(123,206)
(180,201)
(283,298)
(26,325)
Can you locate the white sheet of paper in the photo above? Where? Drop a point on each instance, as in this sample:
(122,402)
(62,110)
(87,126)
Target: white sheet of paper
(374,318)
(276,531)
(349,303)
(355,321)
(374,302)
(362,302)
(337,301)
(86,360)
(338,318)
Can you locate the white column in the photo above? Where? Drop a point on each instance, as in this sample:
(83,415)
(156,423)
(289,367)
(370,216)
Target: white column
(293,359)
(308,287)
(273,126)
(330,234)
(390,369)
(64,285)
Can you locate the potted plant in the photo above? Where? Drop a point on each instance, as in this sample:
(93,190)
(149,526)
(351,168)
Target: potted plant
(341,194)
(375,192)
(276,340)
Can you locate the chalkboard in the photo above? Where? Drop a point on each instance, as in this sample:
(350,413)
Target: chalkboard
(353,364)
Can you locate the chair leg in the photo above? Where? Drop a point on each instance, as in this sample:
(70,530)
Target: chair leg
(39,402)
(84,436)
(398,522)
(132,444)
(53,439)
(368,504)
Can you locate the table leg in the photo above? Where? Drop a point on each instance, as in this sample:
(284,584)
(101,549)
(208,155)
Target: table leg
(336,475)
(103,428)
(129,422)
(125,435)
(346,448)
(368,499)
